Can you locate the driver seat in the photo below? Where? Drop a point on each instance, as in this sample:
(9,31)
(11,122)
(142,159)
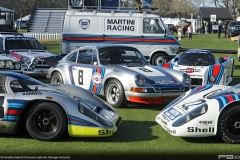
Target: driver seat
(115,57)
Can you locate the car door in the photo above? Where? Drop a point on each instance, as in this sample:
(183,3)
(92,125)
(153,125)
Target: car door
(86,72)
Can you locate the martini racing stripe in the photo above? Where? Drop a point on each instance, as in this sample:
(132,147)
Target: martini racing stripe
(94,87)
(167,65)
(226,99)
(216,71)
(78,121)
(14,109)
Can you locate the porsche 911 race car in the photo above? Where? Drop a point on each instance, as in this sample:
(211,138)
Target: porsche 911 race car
(203,68)
(120,73)
(204,111)
(49,111)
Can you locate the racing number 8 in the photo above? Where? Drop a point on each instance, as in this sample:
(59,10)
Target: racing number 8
(80,77)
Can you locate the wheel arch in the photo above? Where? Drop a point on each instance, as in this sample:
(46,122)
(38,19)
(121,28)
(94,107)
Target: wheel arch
(109,79)
(23,115)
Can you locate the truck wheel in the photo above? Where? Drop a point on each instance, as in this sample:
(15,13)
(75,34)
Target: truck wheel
(159,58)
(46,122)
(114,94)
(56,78)
(229,124)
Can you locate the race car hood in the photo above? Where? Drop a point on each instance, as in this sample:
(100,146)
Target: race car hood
(193,71)
(7,57)
(156,75)
(79,93)
(196,94)
(32,53)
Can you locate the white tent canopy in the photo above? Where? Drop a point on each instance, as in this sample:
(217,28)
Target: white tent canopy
(26,18)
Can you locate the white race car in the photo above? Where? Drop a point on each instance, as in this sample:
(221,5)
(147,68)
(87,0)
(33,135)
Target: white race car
(203,68)
(204,111)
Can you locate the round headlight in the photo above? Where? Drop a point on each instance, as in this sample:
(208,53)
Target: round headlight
(186,79)
(28,60)
(22,60)
(212,78)
(31,67)
(9,64)
(12,66)
(139,80)
(17,65)
(2,64)
(35,62)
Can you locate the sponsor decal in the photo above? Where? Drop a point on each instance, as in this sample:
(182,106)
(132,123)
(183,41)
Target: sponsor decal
(32,93)
(20,38)
(165,118)
(145,70)
(96,78)
(84,23)
(5,127)
(171,131)
(165,82)
(172,113)
(200,130)
(105,132)
(228,157)
(205,123)
(120,25)
(190,70)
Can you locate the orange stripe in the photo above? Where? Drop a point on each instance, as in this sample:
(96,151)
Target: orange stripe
(98,70)
(216,70)
(94,89)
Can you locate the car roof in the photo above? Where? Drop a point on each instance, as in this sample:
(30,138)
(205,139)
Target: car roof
(197,51)
(13,74)
(13,34)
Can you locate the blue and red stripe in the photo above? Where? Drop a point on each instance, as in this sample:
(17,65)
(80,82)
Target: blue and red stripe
(226,99)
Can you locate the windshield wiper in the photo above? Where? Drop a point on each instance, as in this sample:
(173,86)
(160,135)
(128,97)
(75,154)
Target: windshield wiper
(188,62)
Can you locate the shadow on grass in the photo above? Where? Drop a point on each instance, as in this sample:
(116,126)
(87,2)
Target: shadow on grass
(211,140)
(129,131)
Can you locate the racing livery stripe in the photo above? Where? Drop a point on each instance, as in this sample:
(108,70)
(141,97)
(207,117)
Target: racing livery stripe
(216,71)
(78,121)
(167,65)
(14,109)
(96,88)
(195,91)
(226,99)
(170,75)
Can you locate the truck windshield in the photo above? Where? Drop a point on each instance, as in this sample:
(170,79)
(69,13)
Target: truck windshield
(22,43)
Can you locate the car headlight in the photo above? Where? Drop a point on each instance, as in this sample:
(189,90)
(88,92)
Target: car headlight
(28,60)
(35,62)
(8,64)
(212,78)
(2,64)
(198,111)
(139,80)
(186,79)
(31,67)
(17,65)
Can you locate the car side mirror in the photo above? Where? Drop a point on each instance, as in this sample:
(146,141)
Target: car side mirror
(45,48)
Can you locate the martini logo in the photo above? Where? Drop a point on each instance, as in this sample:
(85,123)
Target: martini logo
(84,23)
(190,70)
(96,78)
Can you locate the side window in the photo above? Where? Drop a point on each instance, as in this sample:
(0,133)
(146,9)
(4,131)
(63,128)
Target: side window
(87,57)
(2,84)
(1,45)
(151,25)
(72,57)
(16,86)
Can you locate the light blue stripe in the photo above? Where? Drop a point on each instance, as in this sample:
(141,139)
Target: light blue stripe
(223,100)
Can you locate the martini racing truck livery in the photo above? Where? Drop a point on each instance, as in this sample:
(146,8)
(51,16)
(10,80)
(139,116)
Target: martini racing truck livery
(122,26)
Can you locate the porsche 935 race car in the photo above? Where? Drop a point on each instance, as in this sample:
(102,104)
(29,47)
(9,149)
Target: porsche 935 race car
(49,111)
(120,73)
(203,68)
(204,111)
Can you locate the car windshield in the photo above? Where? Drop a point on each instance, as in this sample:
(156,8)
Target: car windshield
(25,85)
(231,90)
(22,43)
(127,56)
(235,23)
(196,59)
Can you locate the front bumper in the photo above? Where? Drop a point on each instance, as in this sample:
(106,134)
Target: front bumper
(151,98)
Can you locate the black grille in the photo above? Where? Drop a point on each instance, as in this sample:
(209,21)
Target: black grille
(196,81)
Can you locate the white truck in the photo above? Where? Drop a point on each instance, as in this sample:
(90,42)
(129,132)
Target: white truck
(110,23)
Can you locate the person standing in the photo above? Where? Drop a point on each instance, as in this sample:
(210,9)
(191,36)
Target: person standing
(225,32)
(179,30)
(190,30)
(219,30)
(239,49)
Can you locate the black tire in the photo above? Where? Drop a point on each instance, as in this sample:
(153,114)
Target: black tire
(46,121)
(114,94)
(56,78)
(159,58)
(229,124)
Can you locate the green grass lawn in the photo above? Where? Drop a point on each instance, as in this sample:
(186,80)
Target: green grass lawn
(139,136)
